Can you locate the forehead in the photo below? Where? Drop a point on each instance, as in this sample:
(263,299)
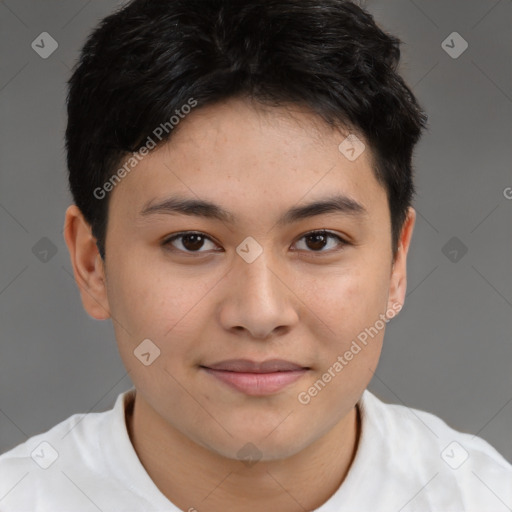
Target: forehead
(246,156)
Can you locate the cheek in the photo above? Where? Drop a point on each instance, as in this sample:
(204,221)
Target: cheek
(162,306)
(162,309)
(351,305)
(139,291)
(348,301)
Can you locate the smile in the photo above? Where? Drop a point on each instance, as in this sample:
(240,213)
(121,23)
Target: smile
(256,378)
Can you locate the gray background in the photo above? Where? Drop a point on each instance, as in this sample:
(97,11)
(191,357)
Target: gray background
(449,352)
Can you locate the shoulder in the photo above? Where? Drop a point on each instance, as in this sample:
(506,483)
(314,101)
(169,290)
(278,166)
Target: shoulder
(44,469)
(456,467)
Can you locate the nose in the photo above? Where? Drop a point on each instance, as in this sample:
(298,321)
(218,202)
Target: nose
(259,301)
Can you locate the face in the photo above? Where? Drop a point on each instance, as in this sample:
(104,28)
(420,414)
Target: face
(256,284)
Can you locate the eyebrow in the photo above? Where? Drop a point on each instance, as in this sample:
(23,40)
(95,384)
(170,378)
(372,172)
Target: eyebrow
(340,204)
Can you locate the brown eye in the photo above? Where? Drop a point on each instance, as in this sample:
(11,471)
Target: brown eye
(193,242)
(316,241)
(190,242)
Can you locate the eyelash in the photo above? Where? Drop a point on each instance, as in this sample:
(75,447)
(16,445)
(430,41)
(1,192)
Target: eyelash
(167,242)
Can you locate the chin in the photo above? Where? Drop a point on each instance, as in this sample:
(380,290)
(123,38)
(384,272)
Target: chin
(255,448)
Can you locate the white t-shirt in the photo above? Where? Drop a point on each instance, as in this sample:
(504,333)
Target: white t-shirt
(407,460)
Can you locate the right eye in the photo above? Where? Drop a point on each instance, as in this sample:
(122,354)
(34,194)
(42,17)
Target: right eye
(190,241)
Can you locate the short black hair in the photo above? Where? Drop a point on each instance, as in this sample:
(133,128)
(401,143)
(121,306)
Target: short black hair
(144,62)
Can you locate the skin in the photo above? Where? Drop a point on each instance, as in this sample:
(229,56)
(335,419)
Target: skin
(305,305)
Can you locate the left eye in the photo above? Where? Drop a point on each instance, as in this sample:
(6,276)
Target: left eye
(193,241)
(318,239)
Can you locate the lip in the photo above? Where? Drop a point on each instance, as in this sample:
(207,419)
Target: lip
(248,366)
(256,378)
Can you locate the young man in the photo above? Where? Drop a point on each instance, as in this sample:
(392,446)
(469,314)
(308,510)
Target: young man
(242,182)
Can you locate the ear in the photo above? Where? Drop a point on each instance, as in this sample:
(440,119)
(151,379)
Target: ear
(87,264)
(398,285)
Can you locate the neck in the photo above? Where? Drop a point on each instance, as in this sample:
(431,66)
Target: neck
(194,478)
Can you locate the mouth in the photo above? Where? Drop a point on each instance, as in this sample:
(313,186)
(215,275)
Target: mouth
(256,378)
